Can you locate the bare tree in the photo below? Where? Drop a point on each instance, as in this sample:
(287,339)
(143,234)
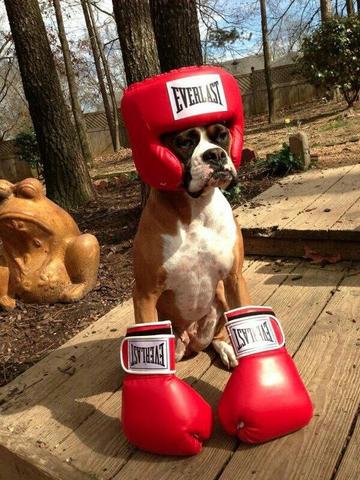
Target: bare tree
(349,7)
(325,9)
(224,27)
(4,87)
(267,60)
(138,46)
(177,33)
(99,71)
(108,80)
(66,175)
(137,39)
(4,47)
(73,89)
(290,25)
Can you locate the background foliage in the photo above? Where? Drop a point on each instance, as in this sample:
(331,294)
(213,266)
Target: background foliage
(331,56)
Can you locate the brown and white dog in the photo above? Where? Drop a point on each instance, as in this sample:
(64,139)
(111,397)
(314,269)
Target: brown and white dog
(188,251)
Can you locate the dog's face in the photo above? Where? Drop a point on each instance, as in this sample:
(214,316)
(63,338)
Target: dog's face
(204,152)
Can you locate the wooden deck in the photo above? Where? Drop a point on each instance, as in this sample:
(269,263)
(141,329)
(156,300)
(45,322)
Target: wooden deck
(317,210)
(59,420)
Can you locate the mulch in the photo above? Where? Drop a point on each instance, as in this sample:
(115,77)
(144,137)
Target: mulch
(30,332)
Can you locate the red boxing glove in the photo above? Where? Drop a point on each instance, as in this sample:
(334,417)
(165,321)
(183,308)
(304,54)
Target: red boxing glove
(160,413)
(265,397)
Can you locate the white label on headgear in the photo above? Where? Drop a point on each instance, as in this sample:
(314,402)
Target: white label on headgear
(195,95)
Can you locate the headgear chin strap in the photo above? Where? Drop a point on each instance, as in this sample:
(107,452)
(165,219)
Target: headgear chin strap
(174,101)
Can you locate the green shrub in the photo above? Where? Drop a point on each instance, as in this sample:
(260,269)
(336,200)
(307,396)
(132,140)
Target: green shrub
(28,150)
(132,176)
(330,56)
(233,194)
(283,162)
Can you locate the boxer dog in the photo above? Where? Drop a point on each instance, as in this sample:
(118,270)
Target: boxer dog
(188,250)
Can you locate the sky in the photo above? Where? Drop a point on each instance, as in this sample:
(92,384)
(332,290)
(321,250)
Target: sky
(75,26)
(247,11)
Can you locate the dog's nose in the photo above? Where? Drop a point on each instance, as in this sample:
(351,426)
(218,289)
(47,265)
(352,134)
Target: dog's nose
(215,156)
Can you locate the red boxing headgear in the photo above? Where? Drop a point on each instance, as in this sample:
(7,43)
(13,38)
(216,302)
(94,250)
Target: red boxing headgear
(174,101)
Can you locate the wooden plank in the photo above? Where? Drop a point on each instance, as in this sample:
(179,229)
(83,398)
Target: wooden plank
(319,211)
(297,303)
(21,460)
(350,220)
(40,381)
(99,437)
(280,204)
(98,445)
(35,386)
(326,360)
(94,444)
(38,410)
(331,205)
(349,468)
(296,247)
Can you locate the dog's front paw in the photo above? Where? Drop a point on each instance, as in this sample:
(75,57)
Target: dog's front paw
(226,353)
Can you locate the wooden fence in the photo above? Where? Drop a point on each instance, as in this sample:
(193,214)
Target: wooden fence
(11,167)
(14,169)
(289,89)
(99,133)
(288,86)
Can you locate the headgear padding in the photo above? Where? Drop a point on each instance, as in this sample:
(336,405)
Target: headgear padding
(174,101)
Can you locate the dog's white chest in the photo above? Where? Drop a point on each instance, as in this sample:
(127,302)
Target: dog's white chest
(199,255)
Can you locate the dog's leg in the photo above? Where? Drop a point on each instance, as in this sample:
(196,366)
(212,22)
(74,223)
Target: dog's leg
(182,341)
(234,293)
(220,340)
(145,306)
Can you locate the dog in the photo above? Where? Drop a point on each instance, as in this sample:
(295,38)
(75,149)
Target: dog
(188,250)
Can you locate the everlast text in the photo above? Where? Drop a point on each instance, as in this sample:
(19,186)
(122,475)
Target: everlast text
(154,355)
(246,336)
(188,96)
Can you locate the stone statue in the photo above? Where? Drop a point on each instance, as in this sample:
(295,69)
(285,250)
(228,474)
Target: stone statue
(44,258)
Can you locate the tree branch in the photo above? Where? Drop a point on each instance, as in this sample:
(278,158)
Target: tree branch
(94,4)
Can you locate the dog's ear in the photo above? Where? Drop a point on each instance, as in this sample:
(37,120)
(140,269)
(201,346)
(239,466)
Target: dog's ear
(167,139)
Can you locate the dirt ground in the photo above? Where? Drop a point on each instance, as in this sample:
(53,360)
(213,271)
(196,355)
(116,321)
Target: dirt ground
(30,332)
(332,130)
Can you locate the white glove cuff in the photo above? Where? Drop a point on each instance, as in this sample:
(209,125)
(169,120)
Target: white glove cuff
(254,330)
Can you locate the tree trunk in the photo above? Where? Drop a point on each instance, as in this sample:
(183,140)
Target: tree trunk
(137,39)
(358,7)
(66,176)
(325,9)
(349,7)
(73,89)
(108,80)
(138,46)
(267,68)
(177,33)
(100,75)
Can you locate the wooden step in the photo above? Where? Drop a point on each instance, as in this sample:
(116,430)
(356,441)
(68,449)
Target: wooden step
(318,210)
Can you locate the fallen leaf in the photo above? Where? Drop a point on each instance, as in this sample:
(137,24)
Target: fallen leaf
(320,259)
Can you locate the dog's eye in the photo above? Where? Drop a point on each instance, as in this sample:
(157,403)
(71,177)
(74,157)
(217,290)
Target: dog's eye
(183,142)
(222,136)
